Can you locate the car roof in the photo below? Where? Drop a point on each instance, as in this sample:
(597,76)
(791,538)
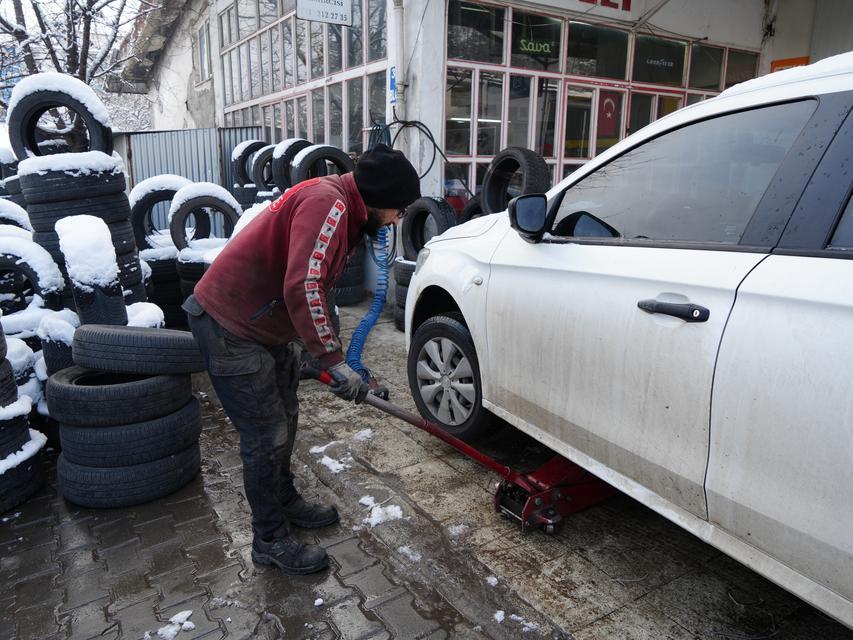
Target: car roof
(830,75)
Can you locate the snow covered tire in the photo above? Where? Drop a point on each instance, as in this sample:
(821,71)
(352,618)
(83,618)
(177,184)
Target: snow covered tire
(177,226)
(62,186)
(109,208)
(281,165)
(262,168)
(9,262)
(313,163)
(240,164)
(137,350)
(14,434)
(143,226)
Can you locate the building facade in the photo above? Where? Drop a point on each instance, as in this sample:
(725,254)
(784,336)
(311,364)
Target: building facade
(566,78)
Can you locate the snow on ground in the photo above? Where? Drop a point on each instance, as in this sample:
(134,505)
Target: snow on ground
(197,189)
(364,434)
(75,164)
(69,85)
(499,616)
(526,627)
(90,256)
(457,530)
(177,623)
(319,602)
(407,551)
(492,581)
(31,448)
(49,276)
(163,182)
(379,514)
(235,154)
(335,466)
(322,449)
(11,211)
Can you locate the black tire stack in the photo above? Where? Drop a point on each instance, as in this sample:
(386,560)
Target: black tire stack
(19,446)
(403,271)
(244,189)
(349,289)
(12,186)
(129,424)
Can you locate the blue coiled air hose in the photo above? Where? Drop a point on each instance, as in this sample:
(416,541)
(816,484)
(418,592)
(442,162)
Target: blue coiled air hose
(383,259)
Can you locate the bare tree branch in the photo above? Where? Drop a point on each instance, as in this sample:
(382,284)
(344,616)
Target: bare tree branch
(46,36)
(82,71)
(106,50)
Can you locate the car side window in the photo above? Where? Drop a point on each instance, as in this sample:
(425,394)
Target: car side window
(843,237)
(700,183)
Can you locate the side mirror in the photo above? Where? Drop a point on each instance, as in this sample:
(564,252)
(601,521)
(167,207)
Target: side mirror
(528,214)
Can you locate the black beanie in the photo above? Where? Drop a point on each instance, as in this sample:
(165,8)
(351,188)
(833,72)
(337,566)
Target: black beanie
(386,179)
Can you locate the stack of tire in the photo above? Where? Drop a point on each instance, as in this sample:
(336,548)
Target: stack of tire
(129,424)
(12,186)
(349,289)
(244,189)
(65,184)
(21,467)
(403,271)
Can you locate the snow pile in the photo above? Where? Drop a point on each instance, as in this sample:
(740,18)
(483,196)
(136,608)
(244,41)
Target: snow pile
(526,627)
(20,407)
(335,466)
(177,623)
(492,581)
(499,616)
(74,164)
(40,368)
(282,147)
(363,435)
(69,85)
(322,449)
(146,270)
(378,513)
(202,251)
(11,211)
(407,551)
(457,530)
(90,256)
(145,314)
(318,602)
(31,448)
(49,276)
(11,231)
(158,253)
(164,182)
(58,326)
(198,189)
(161,238)
(238,150)
(299,157)
(247,216)
(19,355)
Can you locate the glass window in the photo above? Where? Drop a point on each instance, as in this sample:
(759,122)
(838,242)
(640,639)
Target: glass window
(245,71)
(843,236)
(706,66)
(535,41)
(276,123)
(700,183)
(740,66)
(641,111)
(226,35)
(609,125)
(317,50)
(479,175)
(376,97)
(268,11)
(518,118)
(302,116)
(668,104)
(267,116)
(597,51)
(287,6)
(336,115)
(457,139)
(290,122)
(455,179)
(355,116)
(355,45)
(236,76)
(228,94)
(203,54)
(335,47)
(287,51)
(301,51)
(693,98)
(578,116)
(264,69)
(247,17)
(275,49)
(377,30)
(489,114)
(318,117)
(255,70)
(659,61)
(475,32)
(546,117)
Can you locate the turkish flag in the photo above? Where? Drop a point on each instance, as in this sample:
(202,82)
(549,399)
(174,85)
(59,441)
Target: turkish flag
(609,113)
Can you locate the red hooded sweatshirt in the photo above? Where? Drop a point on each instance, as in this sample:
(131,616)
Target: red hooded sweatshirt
(269,283)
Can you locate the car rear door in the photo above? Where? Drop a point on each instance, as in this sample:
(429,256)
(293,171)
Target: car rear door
(781,466)
(589,355)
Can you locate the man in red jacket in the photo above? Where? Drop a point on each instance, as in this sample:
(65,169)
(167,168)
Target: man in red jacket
(261,302)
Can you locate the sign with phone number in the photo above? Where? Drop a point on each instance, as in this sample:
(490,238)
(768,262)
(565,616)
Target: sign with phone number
(331,11)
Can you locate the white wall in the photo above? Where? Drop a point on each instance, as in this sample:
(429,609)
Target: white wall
(833,29)
(792,23)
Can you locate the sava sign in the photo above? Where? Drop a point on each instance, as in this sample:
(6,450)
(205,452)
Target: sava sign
(331,11)
(532,46)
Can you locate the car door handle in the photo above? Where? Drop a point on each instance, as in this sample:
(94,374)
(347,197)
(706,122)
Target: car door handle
(687,312)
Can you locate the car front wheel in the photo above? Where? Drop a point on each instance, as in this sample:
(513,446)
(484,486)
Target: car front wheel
(444,377)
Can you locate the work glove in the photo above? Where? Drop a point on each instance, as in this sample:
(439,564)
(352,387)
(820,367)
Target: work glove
(346,383)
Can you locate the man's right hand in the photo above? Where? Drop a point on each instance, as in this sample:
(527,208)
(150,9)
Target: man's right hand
(346,383)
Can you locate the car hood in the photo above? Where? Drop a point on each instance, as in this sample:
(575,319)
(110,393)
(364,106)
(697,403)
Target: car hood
(470,229)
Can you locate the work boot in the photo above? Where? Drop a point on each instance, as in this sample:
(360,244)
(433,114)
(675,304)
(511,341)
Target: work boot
(289,554)
(309,516)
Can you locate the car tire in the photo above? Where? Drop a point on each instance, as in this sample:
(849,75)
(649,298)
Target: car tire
(20,482)
(109,487)
(57,355)
(462,413)
(177,225)
(400,293)
(349,296)
(8,387)
(88,398)
(111,208)
(61,186)
(240,161)
(425,218)
(129,444)
(15,215)
(100,305)
(17,263)
(400,317)
(313,163)
(403,271)
(23,121)
(14,434)
(472,209)
(283,155)
(137,350)
(536,177)
(142,224)
(262,168)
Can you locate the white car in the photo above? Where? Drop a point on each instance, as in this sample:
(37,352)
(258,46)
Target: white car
(677,317)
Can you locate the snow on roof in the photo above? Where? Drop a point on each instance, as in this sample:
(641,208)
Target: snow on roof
(19,355)
(282,147)
(69,85)
(841,64)
(167,181)
(202,189)
(50,278)
(145,314)
(72,163)
(58,326)
(202,251)
(88,248)
(299,157)
(11,211)
(235,154)
(31,447)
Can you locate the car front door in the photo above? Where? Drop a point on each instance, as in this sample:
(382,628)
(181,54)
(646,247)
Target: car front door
(607,331)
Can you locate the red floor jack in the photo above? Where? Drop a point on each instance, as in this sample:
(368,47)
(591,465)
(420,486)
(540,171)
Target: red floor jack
(539,499)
